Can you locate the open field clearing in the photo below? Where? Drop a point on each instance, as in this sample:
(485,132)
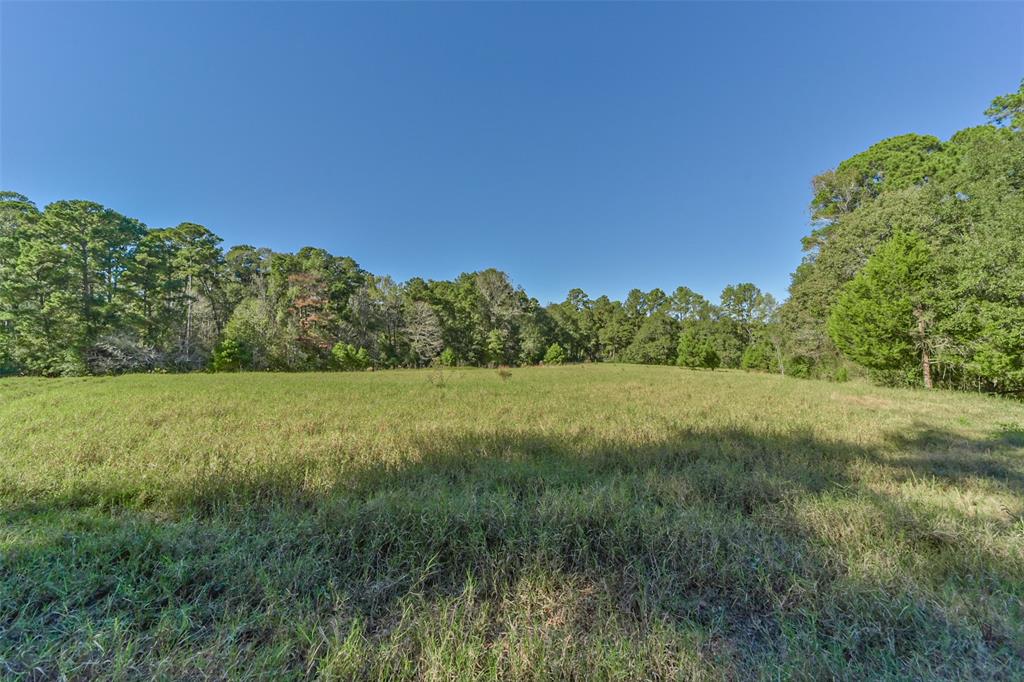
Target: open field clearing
(595,521)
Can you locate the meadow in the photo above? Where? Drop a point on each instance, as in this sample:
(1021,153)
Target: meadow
(577,522)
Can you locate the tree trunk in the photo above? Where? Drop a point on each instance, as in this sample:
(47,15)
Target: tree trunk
(86,287)
(926,361)
(779,357)
(188,320)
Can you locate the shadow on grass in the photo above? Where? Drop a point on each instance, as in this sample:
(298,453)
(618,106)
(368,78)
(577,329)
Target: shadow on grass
(749,539)
(948,456)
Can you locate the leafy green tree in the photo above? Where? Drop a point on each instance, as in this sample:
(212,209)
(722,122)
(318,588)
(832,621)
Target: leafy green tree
(385,333)
(958,195)
(985,284)
(197,261)
(573,328)
(17,299)
(154,311)
(246,273)
(655,341)
(616,333)
(555,355)
(687,305)
(748,307)
(99,245)
(997,347)
(895,163)
(695,350)
(252,326)
(66,291)
(459,309)
(535,334)
(502,309)
(1009,109)
(882,317)
(496,342)
(308,293)
(639,304)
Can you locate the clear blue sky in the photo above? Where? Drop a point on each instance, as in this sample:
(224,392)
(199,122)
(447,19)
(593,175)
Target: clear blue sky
(605,146)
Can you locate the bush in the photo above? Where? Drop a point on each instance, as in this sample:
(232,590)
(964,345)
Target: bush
(230,356)
(447,358)
(555,355)
(68,363)
(350,359)
(799,366)
(758,356)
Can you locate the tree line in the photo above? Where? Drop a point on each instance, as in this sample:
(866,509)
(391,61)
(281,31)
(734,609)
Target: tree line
(913,273)
(84,289)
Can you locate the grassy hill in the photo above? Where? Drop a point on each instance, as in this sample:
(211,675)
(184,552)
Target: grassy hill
(589,522)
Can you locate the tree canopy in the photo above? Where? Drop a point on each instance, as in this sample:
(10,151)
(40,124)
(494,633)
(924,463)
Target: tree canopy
(914,210)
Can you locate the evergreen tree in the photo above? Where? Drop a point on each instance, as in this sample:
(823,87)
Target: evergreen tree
(882,318)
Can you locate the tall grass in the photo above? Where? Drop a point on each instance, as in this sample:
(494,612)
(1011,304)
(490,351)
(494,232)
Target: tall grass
(588,522)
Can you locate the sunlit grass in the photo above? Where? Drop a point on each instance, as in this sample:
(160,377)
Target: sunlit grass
(591,522)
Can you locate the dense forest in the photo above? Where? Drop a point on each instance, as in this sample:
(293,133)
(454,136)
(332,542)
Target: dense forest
(913,273)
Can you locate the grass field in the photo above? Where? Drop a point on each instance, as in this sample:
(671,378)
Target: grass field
(586,522)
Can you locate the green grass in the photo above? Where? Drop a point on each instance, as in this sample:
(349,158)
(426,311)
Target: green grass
(588,522)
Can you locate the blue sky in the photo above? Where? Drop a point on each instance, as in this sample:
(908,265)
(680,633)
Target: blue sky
(604,146)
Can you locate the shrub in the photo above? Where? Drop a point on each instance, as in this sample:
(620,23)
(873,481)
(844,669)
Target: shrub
(230,356)
(758,355)
(447,358)
(799,366)
(555,355)
(350,359)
